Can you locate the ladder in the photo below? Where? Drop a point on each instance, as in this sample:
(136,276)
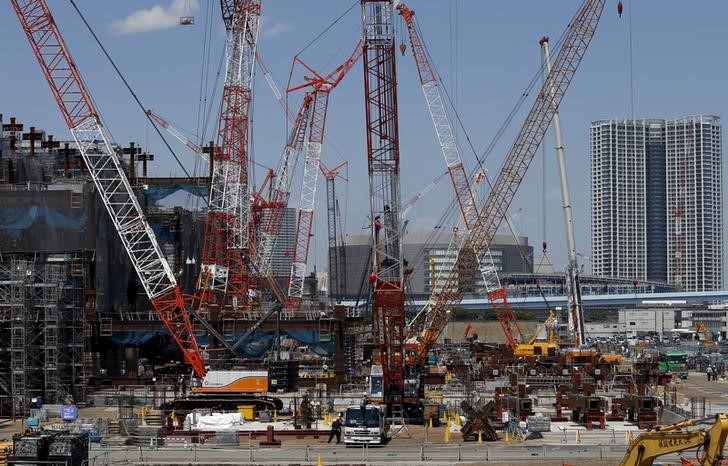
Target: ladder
(396,422)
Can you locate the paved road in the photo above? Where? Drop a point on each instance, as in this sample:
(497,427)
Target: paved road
(403,454)
(697,385)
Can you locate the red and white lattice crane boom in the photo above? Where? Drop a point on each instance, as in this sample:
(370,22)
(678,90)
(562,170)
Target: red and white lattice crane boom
(280,193)
(227,237)
(458,176)
(321,87)
(175,132)
(106,171)
(576,41)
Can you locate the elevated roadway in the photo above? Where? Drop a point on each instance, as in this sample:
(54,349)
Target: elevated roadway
(594,301)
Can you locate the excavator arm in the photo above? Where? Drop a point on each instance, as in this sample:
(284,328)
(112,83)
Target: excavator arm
(649,446)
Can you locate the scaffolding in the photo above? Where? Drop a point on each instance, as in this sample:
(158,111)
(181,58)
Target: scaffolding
(42,306)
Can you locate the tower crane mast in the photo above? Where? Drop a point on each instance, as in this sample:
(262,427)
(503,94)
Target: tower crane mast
(380,94)
(226,245)
(576,41)
(106,171)
(333,221)
(458,176)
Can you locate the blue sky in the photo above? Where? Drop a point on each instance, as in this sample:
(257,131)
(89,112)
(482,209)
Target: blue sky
(486,52)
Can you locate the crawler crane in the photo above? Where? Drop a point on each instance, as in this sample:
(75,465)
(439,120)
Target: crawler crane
(107,173)
(534,347)
(173,308)
(576,41)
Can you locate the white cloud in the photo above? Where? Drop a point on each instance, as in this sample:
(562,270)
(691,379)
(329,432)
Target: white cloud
(155,18)
(276,29)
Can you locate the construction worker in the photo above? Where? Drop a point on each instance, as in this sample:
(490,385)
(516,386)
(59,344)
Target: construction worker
(336,430)
(363,405)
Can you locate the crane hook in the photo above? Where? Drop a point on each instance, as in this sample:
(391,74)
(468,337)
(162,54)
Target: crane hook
(402,47)
(620,7)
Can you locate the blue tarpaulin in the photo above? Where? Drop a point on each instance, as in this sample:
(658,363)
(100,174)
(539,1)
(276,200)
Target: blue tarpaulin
(16,219)
(256,345)
(155,193)
(130,338)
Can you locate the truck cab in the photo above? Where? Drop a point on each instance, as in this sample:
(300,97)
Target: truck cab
(365,426)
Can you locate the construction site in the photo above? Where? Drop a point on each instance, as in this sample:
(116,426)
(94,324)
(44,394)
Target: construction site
(135,329)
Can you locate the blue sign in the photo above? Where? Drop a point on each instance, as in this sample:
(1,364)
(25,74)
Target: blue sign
(69,413)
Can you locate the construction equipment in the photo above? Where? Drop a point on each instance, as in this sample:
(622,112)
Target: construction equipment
(707,337)
(106,170)
(664,440)
(280,192)
(337,266)
(576,41)
(418,195)
(387,276)
(468,329)
(321,87)
(107,173)
(224,273)
(533,347)
(576,309)
(456,168)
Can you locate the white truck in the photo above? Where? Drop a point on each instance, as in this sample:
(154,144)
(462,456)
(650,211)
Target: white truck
(365,426)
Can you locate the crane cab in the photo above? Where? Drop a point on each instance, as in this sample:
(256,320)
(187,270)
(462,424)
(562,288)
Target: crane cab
(538,348)
(376,383)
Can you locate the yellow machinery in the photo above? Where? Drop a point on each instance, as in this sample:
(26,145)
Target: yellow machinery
(707,339)
(541,348)
(664,440)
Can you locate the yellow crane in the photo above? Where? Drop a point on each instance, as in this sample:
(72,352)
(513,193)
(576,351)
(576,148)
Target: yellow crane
(549,347)
(665,440)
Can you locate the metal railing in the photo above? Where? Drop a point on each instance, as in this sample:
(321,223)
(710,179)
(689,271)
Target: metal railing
(409,454)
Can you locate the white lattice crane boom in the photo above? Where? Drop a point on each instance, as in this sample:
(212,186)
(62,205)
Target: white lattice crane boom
(281,192)
(576,41)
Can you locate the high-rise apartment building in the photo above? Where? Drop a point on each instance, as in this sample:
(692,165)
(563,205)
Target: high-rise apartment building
(657,200)
(282,256)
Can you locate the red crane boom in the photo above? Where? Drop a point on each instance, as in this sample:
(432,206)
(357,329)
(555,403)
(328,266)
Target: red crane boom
(458,176)
(380,95)
(576,41)
(321,87)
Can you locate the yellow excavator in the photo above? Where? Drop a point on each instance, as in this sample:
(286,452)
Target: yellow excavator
(665,440)
(707,338)
(549,347)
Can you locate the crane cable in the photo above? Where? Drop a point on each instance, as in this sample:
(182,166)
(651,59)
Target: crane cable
(131,91)
(491,146)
